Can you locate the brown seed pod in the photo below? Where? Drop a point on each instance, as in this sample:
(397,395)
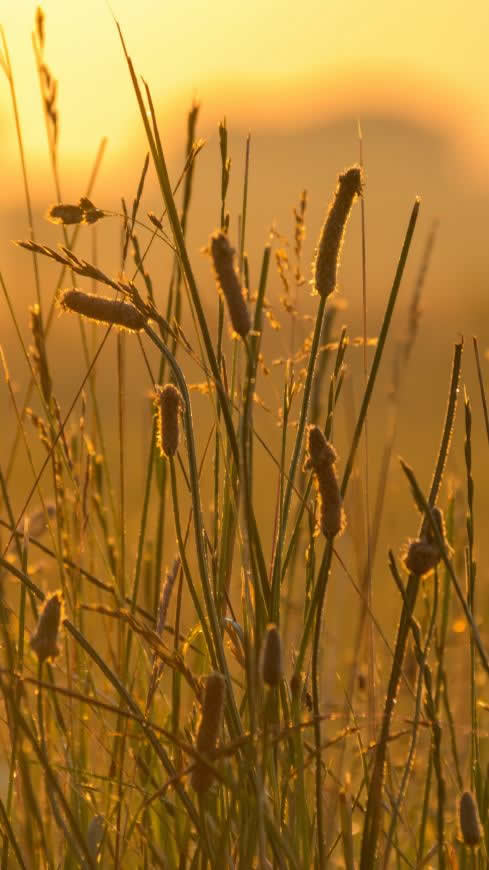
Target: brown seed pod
(271,658)
(222,255)
(470,826)
(102,309)
(83,213)
(65,214)
(421,557)
(209,729)
(168,402)
(321,459)
(44,639)
(320,452)
(325,266)
(38,352)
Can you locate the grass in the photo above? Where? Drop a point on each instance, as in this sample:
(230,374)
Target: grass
(181,717)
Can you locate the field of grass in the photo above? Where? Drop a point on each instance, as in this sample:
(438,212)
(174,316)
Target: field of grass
(208,675)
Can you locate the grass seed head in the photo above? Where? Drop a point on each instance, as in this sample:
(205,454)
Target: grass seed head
(102,309)
(272,668)
(168,401)
(421,557)
(83,213)
(222,255)
(44,640)
(320,451)
(209,729)
(325,266)
(321,459)
(38,352)
(470,826)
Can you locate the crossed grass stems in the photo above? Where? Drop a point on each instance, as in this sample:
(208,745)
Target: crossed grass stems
(280,722)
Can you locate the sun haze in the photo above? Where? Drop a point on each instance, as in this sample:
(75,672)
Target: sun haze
(266,64)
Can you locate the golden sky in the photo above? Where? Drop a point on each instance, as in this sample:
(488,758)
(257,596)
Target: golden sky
(262,62)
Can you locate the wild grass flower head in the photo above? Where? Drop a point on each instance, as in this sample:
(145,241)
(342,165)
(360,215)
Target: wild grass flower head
(222,255)
(321,460)
(168,402)
(44,641)
(423,554)
(271,656)
(209,729)
(326,263)
(470,825)
(113,312)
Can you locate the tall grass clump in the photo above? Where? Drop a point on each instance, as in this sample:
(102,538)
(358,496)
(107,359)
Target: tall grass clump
(181,685)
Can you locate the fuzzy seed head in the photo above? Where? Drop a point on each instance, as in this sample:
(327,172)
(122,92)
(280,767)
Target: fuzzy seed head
(272,668)
(83,213)
(421,557)
(222,255)
(44,639)
(102,309)
(38,352)
(168,401)
(321,459)
(328,251)
(65,214)
(470,825)
(320,451)
(209,729)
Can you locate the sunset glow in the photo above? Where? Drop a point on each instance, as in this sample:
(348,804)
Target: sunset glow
(267,64)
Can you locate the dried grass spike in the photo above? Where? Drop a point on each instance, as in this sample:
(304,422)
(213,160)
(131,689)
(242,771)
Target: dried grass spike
(421,557)
(65,214)
(91,213)
(332,516)
(40,26)
(470,825)
(102,309)
(321,459)
(227,278)
(328,251)
(209,729)
(272,668)
(169,402)
(320,451)
(44,639)
(38,352)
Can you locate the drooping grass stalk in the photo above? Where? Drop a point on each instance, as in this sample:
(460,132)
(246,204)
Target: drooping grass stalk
(374,802)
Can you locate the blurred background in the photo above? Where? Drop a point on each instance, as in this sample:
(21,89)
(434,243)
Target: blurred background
(298,77)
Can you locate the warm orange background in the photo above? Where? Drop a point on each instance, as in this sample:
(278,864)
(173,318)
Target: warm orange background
(298,75)
(263,62)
